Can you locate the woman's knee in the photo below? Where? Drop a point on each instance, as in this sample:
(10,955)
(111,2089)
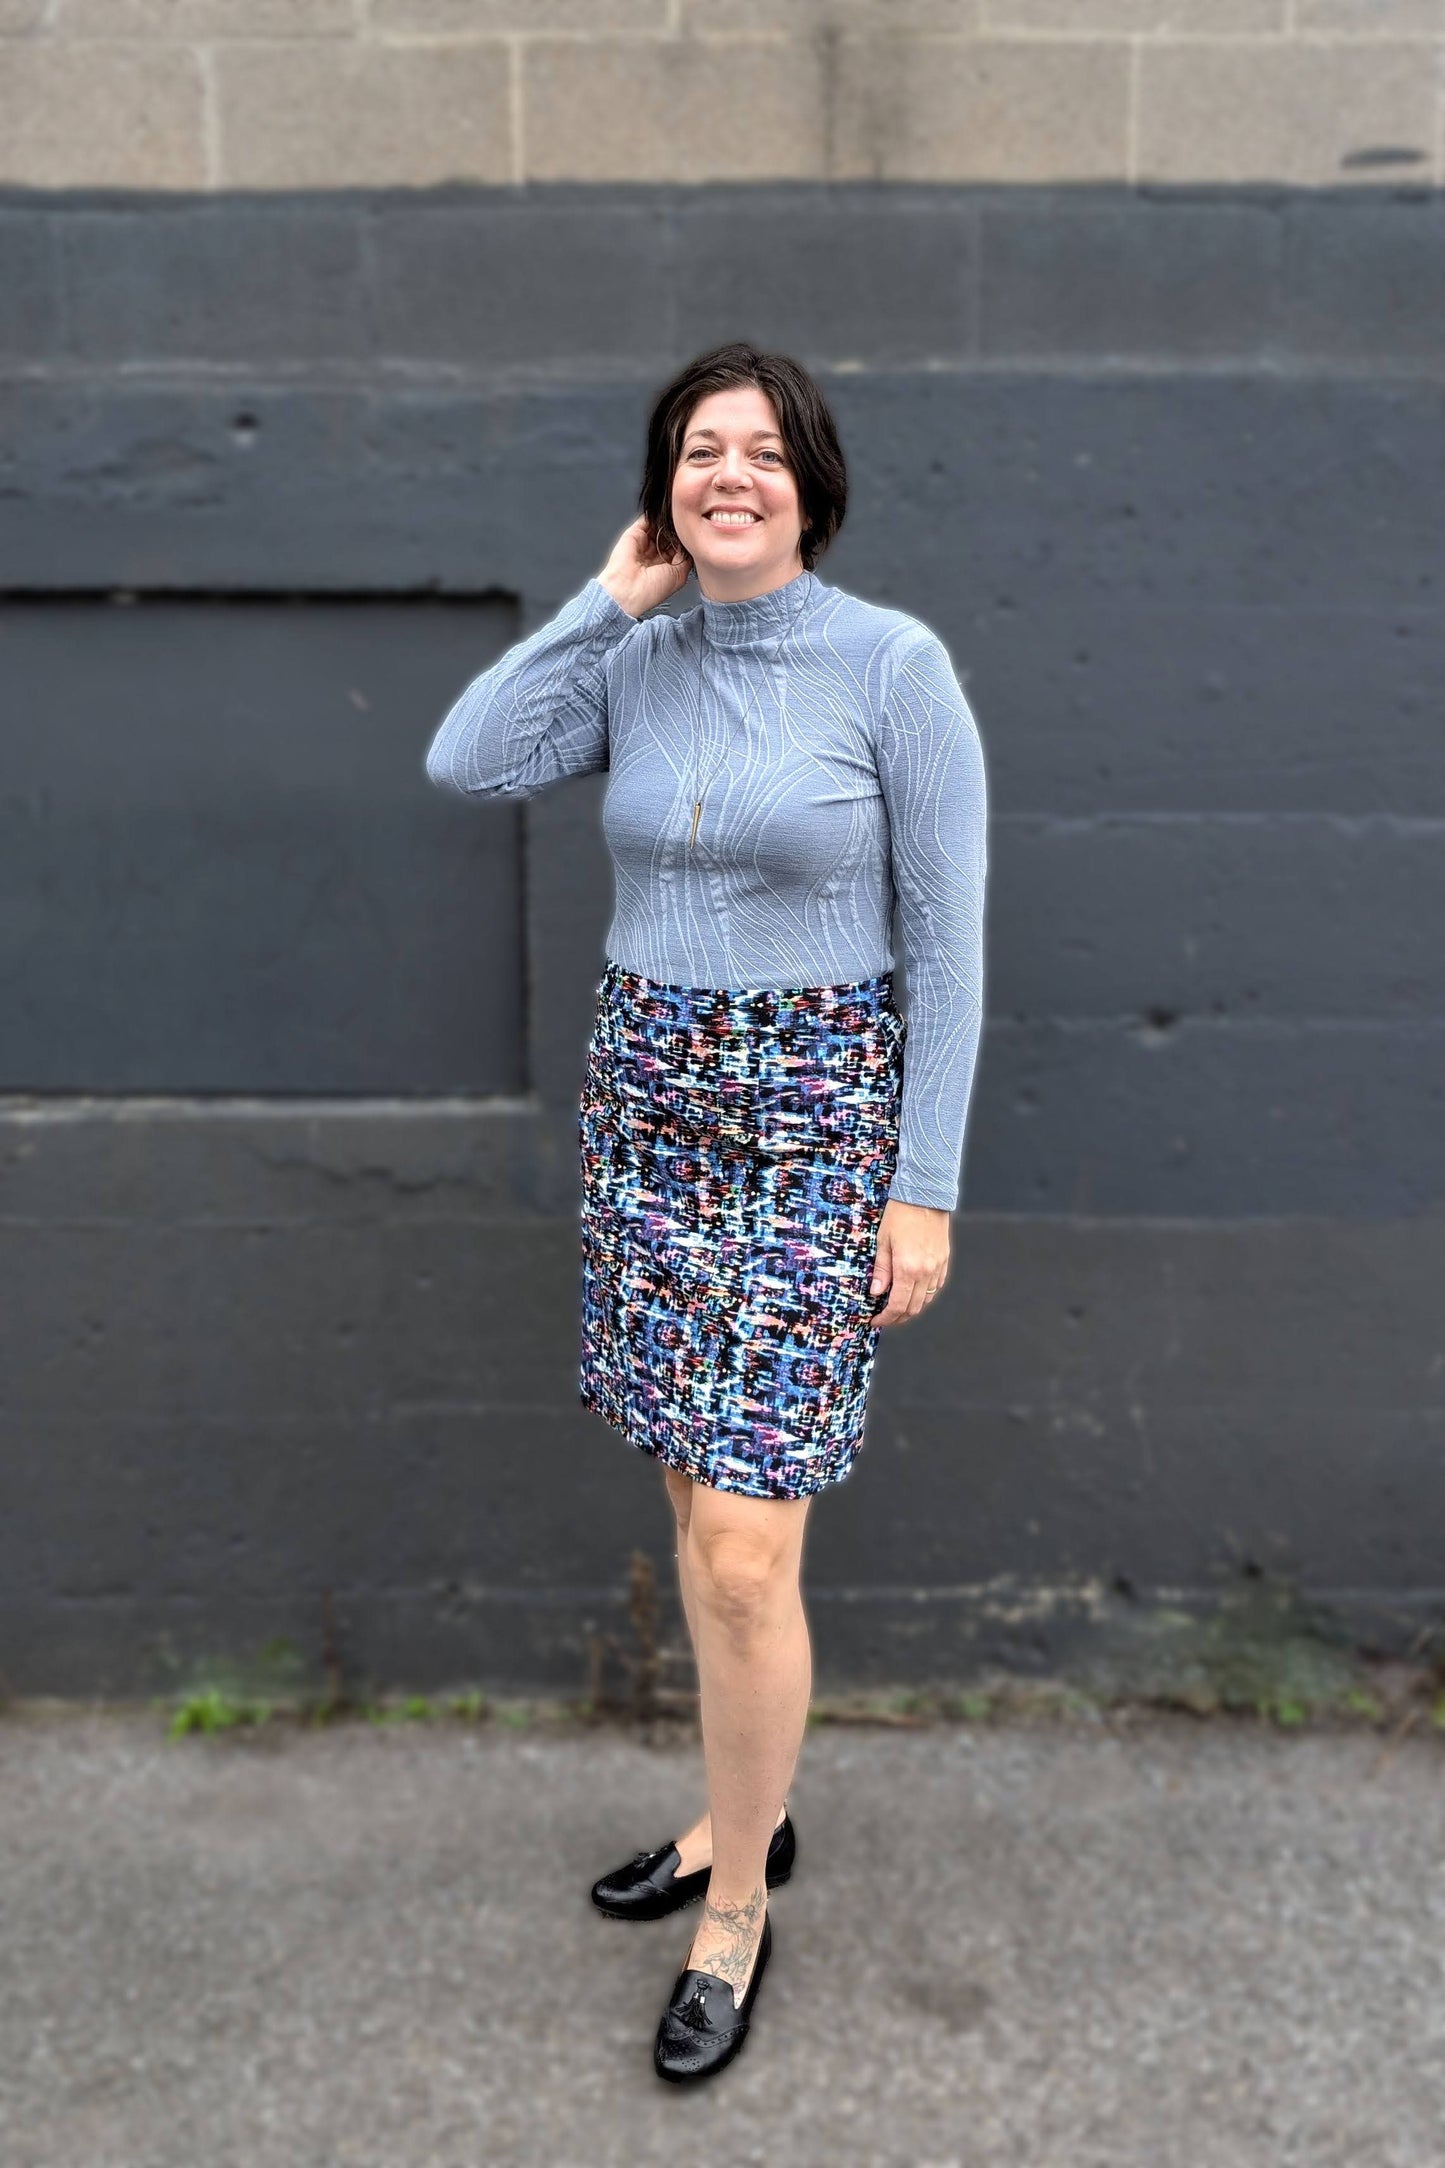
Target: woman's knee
(743,1564)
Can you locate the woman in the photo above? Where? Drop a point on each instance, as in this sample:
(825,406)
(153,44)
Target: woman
(766,1186)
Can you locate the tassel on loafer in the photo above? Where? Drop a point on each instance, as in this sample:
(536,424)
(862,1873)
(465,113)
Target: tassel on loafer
(702,2028)
(649,1886)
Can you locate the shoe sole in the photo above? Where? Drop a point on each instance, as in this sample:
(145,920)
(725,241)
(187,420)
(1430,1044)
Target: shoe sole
(643,1919)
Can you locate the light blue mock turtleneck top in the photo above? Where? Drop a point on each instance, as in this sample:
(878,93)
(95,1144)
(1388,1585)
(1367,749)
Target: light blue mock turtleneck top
(842,770)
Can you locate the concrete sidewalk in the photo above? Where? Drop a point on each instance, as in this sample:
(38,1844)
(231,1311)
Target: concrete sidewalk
(1133,1941)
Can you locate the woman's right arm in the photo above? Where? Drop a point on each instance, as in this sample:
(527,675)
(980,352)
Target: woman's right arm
(540,711)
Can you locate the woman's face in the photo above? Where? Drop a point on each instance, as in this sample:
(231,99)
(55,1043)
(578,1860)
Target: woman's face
(734,461)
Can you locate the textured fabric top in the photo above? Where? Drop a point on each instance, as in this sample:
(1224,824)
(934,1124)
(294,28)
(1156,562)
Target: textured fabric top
(840,768)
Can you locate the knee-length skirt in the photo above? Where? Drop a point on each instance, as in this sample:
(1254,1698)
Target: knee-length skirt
(736,1150)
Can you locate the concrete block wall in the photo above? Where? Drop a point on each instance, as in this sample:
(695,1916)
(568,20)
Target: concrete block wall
(1131,316)
(231,94)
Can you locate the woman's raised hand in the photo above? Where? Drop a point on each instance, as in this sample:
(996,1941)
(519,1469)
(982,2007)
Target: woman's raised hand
(636,576)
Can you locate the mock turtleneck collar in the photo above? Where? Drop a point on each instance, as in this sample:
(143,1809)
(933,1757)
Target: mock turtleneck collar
(763,617)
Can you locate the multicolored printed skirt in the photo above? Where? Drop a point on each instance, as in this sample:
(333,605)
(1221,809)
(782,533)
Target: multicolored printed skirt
(737,1146)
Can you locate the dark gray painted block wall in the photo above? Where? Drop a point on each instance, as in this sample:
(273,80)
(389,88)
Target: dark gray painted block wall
(217,870)
(291,1269)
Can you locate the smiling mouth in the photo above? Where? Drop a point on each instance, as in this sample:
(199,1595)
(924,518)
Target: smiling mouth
(721,517)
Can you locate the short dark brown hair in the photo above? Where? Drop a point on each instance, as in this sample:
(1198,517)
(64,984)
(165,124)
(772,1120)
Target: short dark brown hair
(805,424)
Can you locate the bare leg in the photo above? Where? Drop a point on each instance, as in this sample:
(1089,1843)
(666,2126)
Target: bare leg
(694,1846)
(750,1631)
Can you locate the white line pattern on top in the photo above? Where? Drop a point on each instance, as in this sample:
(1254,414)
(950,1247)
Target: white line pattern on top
(855,775)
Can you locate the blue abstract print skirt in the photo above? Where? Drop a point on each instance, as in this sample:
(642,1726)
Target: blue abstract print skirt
(736,1147)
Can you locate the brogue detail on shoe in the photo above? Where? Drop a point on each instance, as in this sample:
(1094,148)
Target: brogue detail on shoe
(702,2028)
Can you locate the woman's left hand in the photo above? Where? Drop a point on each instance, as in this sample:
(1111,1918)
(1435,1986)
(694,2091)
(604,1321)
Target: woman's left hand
(911,1259)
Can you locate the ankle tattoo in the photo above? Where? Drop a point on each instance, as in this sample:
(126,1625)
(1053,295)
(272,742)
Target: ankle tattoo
(733,1929)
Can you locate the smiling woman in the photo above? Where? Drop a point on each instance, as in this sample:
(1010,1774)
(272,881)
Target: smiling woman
(748,459)
(769,1150)
(727,498)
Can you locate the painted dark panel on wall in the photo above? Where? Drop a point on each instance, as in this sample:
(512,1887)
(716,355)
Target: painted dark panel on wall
(222,868)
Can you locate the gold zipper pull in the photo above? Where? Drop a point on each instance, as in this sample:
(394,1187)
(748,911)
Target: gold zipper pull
(696,817)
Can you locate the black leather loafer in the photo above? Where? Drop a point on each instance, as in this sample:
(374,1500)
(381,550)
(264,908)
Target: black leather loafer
(702,2028)
(649,1886)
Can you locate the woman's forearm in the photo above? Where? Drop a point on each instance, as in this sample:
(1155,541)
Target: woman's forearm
(540,711)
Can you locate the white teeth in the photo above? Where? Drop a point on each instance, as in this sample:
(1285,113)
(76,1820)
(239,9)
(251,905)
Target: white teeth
(733,519)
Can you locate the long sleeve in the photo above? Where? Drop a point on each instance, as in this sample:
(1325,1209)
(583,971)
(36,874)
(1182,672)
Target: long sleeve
(934,783)
(540,712)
